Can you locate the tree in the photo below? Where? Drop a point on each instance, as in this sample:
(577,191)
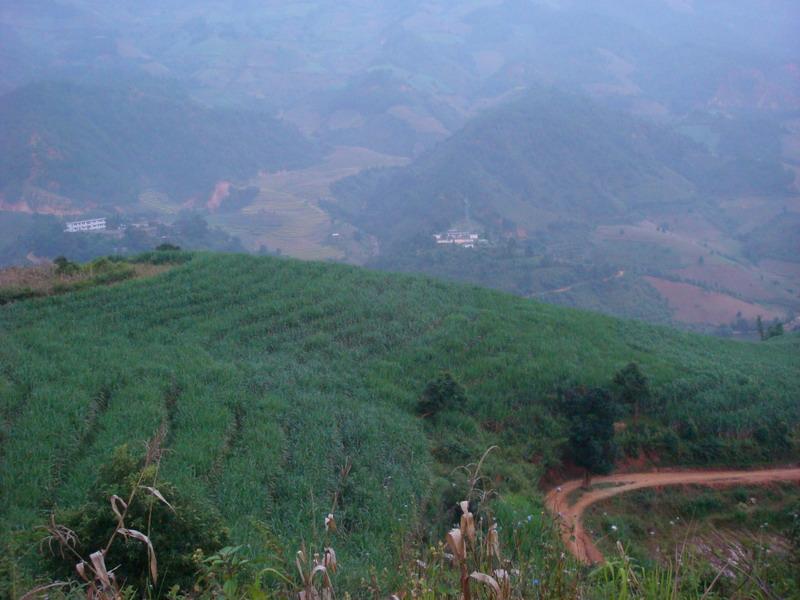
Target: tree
(442,393)
(166,247)
(65,266)
(774,330)
(631,388)
(591,431)
(760,327)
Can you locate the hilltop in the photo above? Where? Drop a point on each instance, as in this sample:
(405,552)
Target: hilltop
(268,375)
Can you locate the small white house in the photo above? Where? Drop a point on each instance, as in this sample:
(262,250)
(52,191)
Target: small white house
(465,239)
(87,225)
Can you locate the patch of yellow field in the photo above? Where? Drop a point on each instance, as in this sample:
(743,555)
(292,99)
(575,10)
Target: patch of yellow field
(286,214)
(157,202)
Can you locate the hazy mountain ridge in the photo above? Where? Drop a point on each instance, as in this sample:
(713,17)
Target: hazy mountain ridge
(581,204)
(546,157)
(67,147)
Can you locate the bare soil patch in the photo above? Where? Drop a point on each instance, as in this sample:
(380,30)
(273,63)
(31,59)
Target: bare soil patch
(560,503)
(692,304)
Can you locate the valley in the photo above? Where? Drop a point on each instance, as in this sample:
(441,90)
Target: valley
(319,300)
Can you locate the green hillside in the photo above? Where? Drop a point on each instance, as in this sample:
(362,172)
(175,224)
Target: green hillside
(76,145)
(553,157)
(269,375)
(547,155)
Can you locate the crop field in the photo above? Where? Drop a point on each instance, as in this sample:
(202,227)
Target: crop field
(693,304)
(287,215)
(269,375)
(703,273)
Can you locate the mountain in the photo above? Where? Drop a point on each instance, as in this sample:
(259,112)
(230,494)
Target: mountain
(270,374)
(67,147)
(541,157)
(655,57)
(584,205)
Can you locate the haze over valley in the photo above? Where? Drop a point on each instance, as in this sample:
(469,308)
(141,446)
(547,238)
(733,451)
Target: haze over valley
(578,140)
(410,299)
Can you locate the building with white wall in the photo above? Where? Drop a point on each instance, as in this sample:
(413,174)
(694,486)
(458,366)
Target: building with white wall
(87,225)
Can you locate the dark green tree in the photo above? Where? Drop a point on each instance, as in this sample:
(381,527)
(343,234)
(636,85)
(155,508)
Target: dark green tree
(631,388)
(442,393)
(760,327)
(591,430)
(65,266)
(774,330)
(166,247)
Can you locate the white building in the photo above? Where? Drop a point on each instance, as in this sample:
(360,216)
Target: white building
(87,225)
(465,239)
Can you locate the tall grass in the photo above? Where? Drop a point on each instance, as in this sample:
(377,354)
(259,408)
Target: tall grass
(267,372)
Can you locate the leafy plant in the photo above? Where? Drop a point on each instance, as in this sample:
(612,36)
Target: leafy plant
(442,393)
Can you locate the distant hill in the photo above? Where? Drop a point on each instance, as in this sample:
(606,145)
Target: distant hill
(65,146)
(651,56)
(545,157)
(552,178)
(379,109)
(269,375)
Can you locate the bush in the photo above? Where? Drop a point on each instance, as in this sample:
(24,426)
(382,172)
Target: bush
(176,533)
(443,393)
(13,294)
(65,267)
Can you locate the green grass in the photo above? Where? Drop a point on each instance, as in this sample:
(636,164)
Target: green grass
(271,373)
(705,524)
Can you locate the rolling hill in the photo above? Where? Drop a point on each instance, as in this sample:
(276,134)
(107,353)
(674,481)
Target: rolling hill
(554,180)
(268,375)
(67,147)
(528,163)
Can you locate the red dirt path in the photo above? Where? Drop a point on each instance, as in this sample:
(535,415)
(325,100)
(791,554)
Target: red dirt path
(580,543)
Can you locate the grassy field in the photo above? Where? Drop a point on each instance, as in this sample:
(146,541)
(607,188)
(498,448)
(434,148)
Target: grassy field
(286,214)
(270,374)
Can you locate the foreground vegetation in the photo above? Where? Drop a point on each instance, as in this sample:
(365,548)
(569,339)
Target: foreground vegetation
(63,276)
(732,530)
(278,389)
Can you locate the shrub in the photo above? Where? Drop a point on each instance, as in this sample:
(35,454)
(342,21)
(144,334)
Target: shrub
(442,393)
(176,532)
(65,266)
(13,294)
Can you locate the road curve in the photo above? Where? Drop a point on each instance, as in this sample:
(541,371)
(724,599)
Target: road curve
(580,543)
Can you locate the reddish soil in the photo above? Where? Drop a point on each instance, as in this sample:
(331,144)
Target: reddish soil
(735,278)
(221,191)
(580,544)
(693,304)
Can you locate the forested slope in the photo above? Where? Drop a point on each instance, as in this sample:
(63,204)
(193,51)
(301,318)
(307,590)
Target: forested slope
(67,146)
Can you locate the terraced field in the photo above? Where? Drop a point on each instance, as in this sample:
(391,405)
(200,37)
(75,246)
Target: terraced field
(286,215)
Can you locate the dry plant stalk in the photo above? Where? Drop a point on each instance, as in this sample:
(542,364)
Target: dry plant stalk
(310,570)
(101,583)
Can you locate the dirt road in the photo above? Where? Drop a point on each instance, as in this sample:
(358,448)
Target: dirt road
(568,288)
(580,543)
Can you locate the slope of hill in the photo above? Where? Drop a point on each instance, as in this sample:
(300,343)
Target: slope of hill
(547,157)
(553,178)
(65,147)
(268,375)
